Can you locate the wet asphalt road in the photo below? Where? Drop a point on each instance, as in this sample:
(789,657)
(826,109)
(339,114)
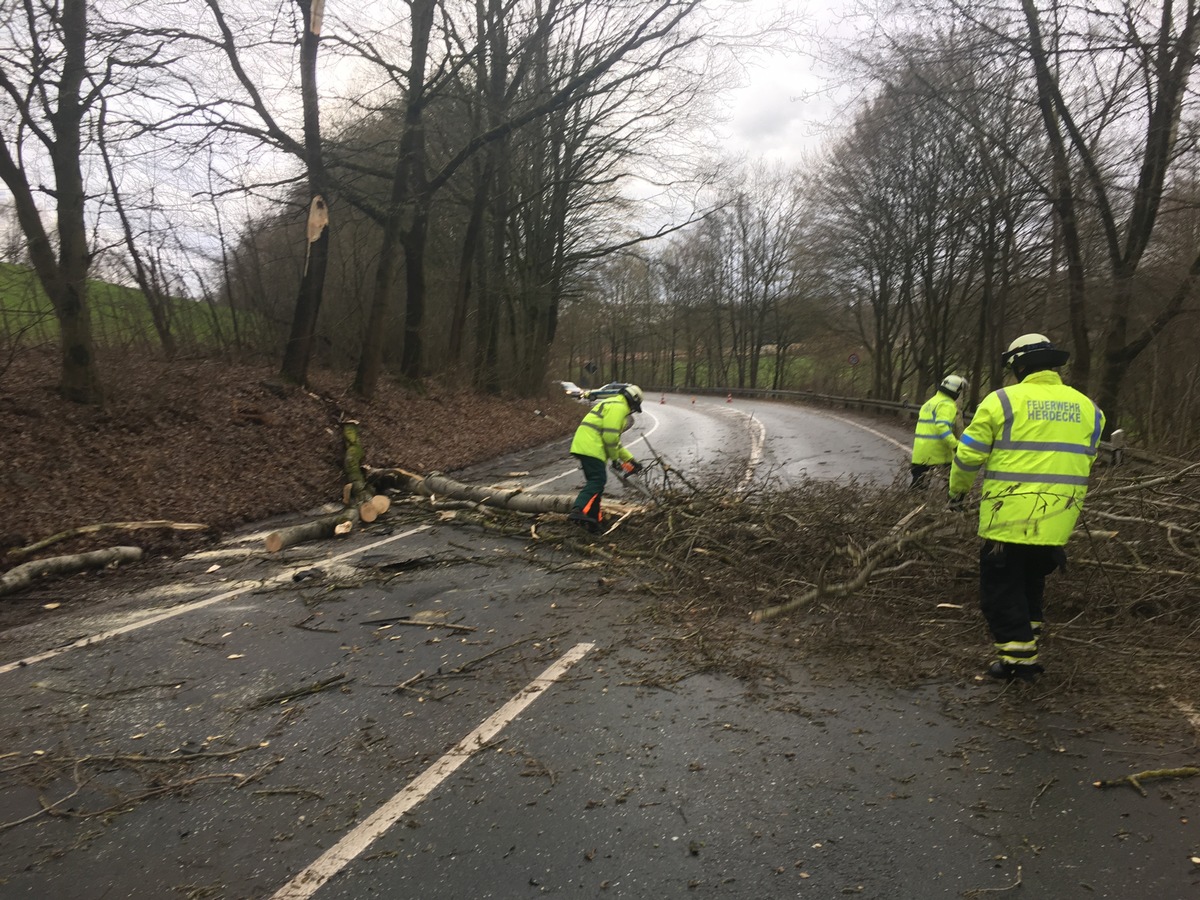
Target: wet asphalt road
(237,742)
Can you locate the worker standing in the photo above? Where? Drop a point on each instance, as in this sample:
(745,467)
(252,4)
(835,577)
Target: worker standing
(1038,439)
(597,441)
(935,441)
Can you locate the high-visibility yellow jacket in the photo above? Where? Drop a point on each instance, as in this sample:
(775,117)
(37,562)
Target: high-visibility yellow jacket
(599,434)
(934,442)
(1038,440)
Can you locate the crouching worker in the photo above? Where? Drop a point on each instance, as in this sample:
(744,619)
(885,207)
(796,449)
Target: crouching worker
(1036,442)
(597,442)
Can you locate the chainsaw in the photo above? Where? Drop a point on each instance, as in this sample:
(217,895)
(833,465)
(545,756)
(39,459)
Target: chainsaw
(630,481)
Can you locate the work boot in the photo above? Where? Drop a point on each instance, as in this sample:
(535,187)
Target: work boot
(1006,671)
(587,523)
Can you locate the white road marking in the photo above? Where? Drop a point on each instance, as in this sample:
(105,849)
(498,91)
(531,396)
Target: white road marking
(199,604)
(379,822)
(879,434)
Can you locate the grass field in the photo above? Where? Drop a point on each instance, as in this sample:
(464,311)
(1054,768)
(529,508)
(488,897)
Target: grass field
(120,315)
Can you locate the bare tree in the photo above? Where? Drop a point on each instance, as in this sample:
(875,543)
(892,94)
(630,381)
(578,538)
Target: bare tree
(1111,83)
(50,91)
(553,69)
(1139,59)
(268,124)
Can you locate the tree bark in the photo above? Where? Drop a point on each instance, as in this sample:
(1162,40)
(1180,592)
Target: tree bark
(24,575)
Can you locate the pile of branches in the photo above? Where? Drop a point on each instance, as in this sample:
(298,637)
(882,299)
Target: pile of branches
(887,580)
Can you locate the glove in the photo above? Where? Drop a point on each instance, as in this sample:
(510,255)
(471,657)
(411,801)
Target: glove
(958,503)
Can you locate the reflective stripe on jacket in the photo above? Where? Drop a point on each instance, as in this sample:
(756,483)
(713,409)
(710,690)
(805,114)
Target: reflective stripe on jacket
(1038,440)
(599,434)
(934,442)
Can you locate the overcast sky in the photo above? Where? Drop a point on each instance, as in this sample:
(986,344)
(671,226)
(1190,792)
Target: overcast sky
(791,97)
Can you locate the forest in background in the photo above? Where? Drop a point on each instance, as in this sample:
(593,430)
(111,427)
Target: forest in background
(462,191)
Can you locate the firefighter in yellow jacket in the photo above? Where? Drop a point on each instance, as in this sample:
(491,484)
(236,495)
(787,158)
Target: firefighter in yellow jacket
(597,442)
(1036,441)
(935,442)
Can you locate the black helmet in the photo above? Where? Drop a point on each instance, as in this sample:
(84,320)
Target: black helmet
(1034,352)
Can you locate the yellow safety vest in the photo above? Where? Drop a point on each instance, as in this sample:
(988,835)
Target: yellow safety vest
(599,434)
(934,442)
(1038,440)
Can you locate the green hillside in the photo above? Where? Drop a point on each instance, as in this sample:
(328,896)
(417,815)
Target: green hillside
(120,315)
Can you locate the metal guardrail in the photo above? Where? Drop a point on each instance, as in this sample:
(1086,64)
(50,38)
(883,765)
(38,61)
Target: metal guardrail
(1114,451)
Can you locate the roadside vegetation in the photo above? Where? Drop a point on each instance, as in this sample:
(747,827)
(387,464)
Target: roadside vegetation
(470,218)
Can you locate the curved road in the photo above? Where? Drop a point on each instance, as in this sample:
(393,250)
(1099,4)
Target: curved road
(749,443)
(433,712)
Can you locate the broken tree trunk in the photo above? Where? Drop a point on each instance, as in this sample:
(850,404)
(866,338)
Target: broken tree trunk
(352,464)
(24,575)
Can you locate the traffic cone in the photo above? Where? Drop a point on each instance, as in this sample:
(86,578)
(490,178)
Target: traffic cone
(729,398)
(663,399)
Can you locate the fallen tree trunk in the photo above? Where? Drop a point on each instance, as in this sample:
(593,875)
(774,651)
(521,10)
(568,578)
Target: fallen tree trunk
(436,486)
(339,523)
(24,575)
(315,530)
(18,552)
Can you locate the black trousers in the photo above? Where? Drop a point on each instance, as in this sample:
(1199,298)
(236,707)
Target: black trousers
(1012,587)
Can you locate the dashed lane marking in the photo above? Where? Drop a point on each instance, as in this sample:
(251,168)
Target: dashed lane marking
(186,608)
(379,822)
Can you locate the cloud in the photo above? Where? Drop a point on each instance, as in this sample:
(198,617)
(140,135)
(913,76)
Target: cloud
(782,113)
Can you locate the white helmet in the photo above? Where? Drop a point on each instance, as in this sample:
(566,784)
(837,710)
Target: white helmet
(633,394)
(1035,351)
(953,385)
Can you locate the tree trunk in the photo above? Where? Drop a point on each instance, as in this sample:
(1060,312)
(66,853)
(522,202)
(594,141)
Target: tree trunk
(298,352)
(516,499)
(26,574)
(415,241)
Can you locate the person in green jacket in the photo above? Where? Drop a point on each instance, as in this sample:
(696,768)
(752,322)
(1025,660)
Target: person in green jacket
(1036,441)
(935,442)
(597,441)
